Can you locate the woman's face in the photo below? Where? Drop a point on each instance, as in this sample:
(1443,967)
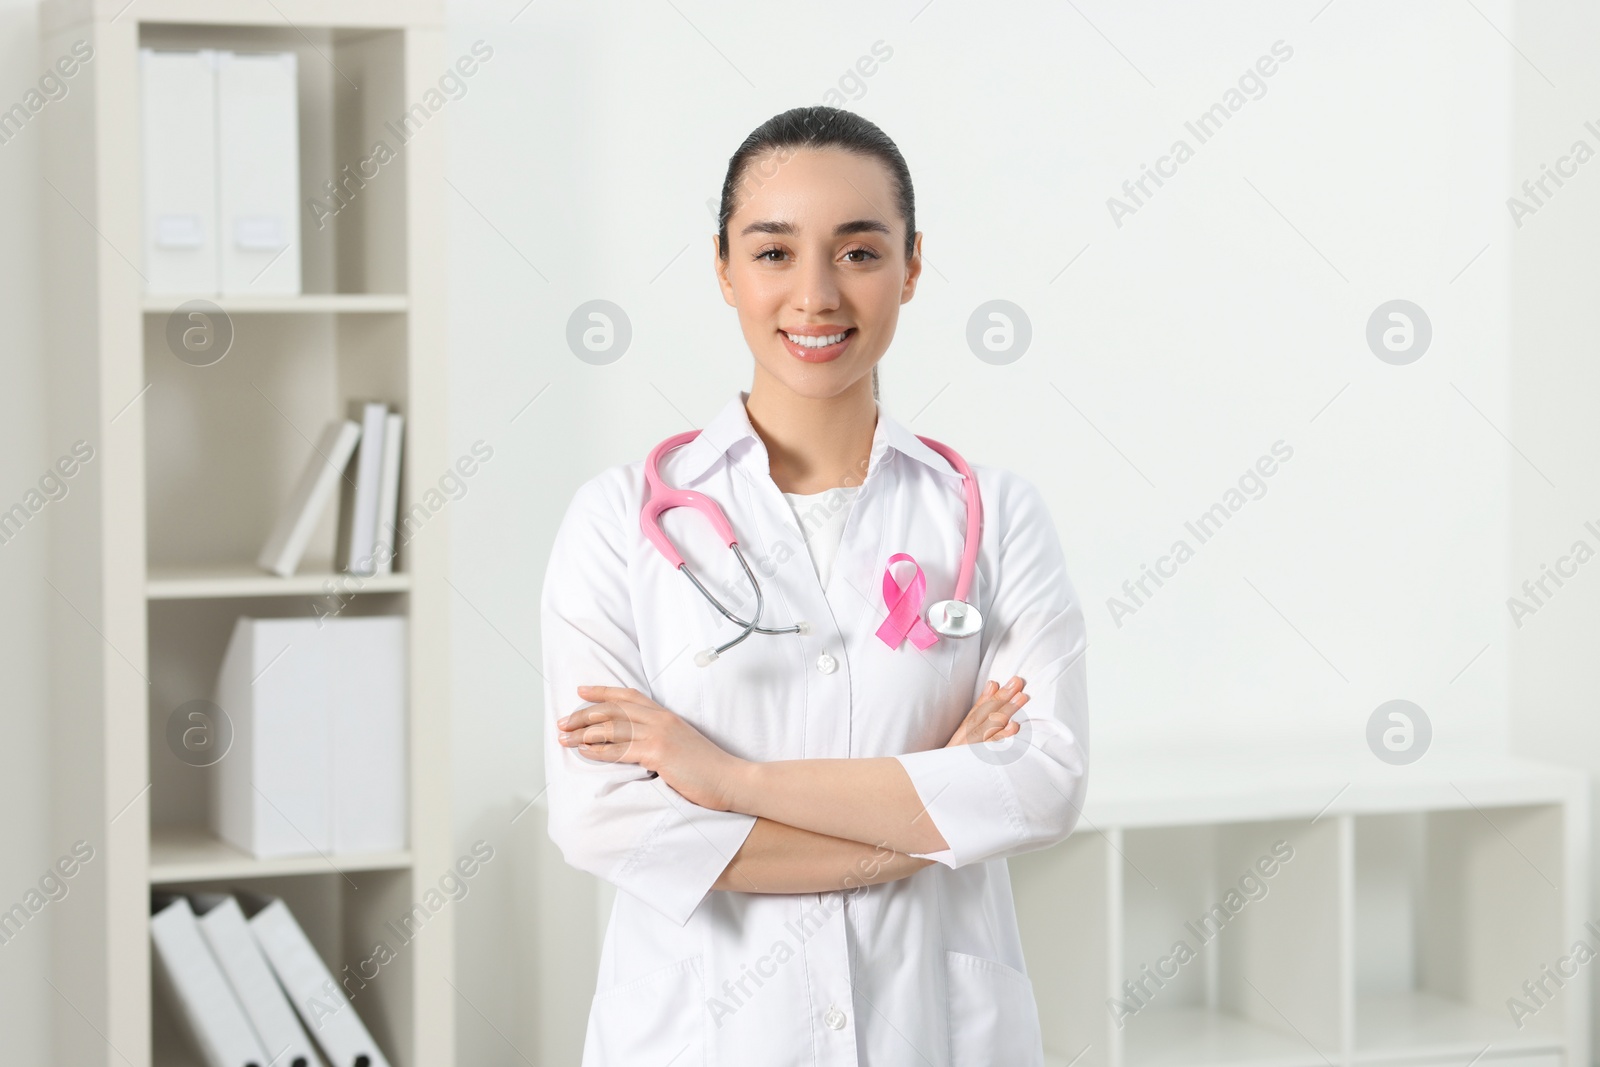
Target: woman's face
(816,248)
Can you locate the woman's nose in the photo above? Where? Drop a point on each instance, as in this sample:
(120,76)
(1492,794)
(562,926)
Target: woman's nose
(816,288)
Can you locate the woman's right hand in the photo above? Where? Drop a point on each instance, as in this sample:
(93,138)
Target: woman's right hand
(991,717)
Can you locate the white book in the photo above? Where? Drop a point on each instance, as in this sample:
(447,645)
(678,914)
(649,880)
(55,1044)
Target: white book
(328,1013)
(223,925)
(323,470)
(204,999)
(389,494)
(358,500)
(270,796)
(177,106)
(319,756)
(258,172)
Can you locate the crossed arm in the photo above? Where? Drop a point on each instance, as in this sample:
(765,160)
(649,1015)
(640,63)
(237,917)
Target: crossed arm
(821,824)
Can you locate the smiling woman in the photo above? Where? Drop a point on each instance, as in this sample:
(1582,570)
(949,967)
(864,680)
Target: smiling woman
(870,174)
(835,798)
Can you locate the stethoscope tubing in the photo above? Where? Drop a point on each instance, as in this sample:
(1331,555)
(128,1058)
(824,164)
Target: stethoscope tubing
(662,497)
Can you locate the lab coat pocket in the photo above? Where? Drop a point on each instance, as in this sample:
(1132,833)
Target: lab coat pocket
(657,1017)
(992,1015)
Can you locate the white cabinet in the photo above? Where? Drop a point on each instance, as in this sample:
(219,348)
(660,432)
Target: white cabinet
(199,420)
(1300,914)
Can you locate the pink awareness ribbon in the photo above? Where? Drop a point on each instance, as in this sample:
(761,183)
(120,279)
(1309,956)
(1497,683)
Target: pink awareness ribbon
(905,607)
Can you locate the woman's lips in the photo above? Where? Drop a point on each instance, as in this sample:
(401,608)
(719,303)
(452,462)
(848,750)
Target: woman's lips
(818,355)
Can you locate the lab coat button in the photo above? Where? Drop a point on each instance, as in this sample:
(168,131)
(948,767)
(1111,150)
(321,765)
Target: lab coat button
(834,1018)
(827,664)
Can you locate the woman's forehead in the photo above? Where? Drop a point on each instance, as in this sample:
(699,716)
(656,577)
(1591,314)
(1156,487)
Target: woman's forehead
(814,191)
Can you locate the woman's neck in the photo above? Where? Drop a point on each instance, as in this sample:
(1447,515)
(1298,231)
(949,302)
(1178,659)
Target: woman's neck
(814,444)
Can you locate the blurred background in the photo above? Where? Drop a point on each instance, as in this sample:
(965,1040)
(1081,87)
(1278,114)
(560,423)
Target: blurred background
(1361,268)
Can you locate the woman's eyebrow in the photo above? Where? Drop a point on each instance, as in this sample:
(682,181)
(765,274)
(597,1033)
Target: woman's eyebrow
(844,229)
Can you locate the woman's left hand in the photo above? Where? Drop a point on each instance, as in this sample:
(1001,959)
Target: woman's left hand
(625,726)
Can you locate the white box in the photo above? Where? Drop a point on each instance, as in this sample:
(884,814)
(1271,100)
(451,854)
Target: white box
(258,172)
(318,759)
(178,113)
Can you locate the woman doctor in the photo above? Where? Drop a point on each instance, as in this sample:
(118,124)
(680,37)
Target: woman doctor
(810,831)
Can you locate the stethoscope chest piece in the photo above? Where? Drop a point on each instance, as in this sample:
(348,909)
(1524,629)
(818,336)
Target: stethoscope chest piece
(955,618)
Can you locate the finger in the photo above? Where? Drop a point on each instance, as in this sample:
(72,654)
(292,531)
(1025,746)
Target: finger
(606,753)
(592,714)
(604,733)
(603,693)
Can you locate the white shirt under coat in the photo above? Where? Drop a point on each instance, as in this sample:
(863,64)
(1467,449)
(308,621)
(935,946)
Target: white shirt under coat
(927,969)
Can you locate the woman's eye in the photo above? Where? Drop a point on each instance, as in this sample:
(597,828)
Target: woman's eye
(863,251)
(768,251)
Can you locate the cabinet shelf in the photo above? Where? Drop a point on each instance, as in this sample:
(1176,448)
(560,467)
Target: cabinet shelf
(1411,1024)
(1200,1037)
(245,580)
(303,303)
(181,854)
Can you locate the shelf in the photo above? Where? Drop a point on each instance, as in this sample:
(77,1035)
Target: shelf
(305,303)
(247,580)
(192,854)
(1197,1037)
(1417,1025)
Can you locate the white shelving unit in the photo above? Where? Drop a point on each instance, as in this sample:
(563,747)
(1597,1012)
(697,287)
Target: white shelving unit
(155,559)
(1414,901)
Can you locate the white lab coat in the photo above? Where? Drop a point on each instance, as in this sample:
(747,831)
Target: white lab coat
(924,970)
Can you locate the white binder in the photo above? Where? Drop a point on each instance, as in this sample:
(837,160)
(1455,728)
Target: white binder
(389,494)
(205,1000)
(270,793)
(329,1015)
(358,494)
(258,172)
(320,746)
(366,694)
(223,924)
(179,120)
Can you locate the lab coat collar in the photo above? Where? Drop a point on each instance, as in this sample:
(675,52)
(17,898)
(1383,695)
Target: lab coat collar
(731,434)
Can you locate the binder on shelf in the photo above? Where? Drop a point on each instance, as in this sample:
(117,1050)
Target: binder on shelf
(358,495)
(190,976)
(258,172)
(178,115)
(318,763)
(323,470)
(389,495)
(223,925)
(270,794)
(328,1014)
(364,663)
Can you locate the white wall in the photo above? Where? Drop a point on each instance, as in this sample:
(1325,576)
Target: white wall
(1555,313)
(1226,314)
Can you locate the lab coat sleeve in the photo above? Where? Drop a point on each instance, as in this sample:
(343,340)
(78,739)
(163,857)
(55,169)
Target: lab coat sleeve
(1000,798)
(617,821)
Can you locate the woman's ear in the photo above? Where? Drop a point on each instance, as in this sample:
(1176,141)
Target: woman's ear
(720,267)
(913,268)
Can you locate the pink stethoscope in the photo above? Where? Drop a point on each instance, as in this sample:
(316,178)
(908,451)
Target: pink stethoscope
(953,618)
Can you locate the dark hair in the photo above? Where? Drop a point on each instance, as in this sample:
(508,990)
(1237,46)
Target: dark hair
(817,126)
